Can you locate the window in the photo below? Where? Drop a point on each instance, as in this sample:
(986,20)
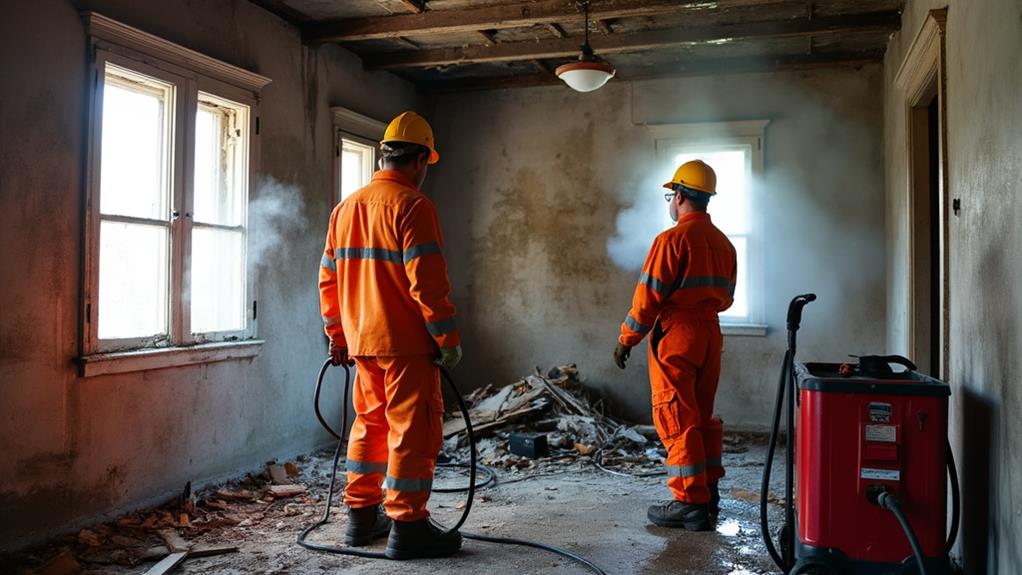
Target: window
(357,161)
(355,138)
(171,160)
(734,151)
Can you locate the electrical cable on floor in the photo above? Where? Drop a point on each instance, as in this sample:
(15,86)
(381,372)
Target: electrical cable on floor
(598,462)
(472,466)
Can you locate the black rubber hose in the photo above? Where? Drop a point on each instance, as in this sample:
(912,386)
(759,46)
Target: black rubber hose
(764,521)
(890,503)
(491,475)
(473,464)
(956,501)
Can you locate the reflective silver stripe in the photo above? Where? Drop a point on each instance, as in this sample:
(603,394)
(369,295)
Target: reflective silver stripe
(636,326)
(328,263)
(368,254)
(654,284)
(366,467)
(685,470)
(407,485)
(713,462)
(331,321)
(705,282)
(421,250)
(439,328)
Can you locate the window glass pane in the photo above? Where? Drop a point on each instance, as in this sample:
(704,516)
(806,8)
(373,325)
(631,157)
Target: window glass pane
(218,280)
(134,156)
(356,166)
(732,165)
(221,166)
(740,309)
(132,280)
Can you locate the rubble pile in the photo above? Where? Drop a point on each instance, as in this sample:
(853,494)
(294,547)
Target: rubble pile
(208,523)
(573,420)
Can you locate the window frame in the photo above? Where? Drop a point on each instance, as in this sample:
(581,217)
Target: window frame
(370,164)
(350,125)
(190,73)
(669,139)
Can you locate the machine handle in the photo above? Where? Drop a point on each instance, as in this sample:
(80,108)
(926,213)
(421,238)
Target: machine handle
(795,309)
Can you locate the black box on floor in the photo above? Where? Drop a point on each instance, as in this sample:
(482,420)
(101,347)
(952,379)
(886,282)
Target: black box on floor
(531,445)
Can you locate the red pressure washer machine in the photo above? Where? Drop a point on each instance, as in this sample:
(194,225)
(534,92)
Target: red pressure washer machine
(871,457)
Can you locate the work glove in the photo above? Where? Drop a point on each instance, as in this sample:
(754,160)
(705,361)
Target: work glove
(339,355)
(621,353)
(449,357)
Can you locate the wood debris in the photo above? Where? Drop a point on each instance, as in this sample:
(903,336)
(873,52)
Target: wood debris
(557,403)
(286,490)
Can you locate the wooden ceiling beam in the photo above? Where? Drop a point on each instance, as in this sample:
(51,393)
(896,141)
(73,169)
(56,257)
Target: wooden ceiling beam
(636,42)
(415,6)
(504,15)
(556,29)
(710,67)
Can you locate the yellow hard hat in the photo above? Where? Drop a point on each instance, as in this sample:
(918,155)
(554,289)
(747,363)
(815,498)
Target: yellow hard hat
(414,129)
(695,175)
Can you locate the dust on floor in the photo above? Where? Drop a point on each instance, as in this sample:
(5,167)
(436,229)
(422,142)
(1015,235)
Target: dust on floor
(575,506)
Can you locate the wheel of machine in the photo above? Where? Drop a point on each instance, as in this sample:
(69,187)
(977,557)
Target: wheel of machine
(812,567)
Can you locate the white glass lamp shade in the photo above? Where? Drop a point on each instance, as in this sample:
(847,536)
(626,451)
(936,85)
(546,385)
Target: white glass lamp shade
(585,76)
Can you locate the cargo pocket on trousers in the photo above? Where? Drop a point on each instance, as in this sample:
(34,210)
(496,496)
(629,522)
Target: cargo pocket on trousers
(667,414)
(435,417)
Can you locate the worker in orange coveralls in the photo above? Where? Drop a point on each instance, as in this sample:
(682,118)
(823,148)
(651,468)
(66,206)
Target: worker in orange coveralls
(688,278)
(384,297)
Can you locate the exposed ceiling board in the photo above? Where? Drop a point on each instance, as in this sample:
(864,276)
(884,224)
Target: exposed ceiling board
(497,41)
(638,42)
(447,40)
(319,10)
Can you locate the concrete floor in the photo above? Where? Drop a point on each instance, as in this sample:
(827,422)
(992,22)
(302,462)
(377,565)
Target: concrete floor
(589,512)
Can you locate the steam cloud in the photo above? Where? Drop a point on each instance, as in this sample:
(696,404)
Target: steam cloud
(278,212)
(637,225)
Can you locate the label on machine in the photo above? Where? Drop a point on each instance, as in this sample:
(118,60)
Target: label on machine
(880,412)
(881,474)
(884,433)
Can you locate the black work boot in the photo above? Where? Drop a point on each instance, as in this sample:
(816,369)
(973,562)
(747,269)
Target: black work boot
(678,514)
(366,524)
(714,508)
(420,540)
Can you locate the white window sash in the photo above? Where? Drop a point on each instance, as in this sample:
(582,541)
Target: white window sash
(751,134)
(350,125)
(189,72)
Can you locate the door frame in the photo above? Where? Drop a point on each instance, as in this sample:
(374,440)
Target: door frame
(921,77)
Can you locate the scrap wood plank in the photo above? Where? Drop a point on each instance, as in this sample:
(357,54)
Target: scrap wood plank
(456,427)
(211,551)
(286,490)
(173,540)
(168,563)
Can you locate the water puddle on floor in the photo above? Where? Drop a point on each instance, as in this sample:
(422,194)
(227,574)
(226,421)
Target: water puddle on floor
(739,570)
(729,528)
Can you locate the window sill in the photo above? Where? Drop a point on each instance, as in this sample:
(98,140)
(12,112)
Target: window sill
(743,329)
(149,359)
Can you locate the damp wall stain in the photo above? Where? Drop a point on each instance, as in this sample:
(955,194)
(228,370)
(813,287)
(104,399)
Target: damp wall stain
(529,203)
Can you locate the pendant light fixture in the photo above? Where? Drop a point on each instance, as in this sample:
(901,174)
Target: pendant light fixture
(590,72)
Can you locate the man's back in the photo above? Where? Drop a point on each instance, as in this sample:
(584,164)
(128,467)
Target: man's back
(391,278)
(707,274)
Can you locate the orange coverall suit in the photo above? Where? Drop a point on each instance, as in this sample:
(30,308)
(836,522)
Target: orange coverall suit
(384,295)
(689,276)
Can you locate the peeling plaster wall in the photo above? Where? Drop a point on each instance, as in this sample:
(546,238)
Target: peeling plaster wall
(74,449)
(533,182)
(984,133)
